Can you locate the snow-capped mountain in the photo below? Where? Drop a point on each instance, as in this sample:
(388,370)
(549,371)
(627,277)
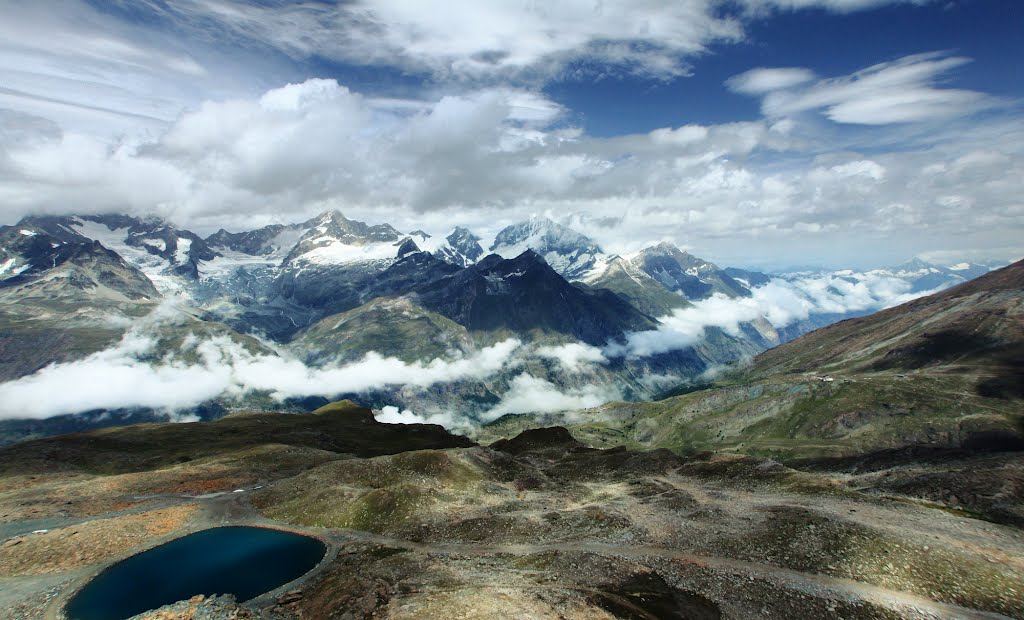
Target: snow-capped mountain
(67,268)
(461,248)
(314,287)
(167,255)
(570,253)
(685,274)
(921,275)
(334,239)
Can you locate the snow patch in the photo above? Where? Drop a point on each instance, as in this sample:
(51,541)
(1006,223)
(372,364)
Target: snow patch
(27,233)
(336,252)
(181,253)
(159,244)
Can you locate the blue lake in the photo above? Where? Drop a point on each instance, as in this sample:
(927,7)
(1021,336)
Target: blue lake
(243,561)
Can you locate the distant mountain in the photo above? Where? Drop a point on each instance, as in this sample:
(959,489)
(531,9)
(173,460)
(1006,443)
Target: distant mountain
(570,253)
(747,278)
(525,293)
(629,281)
(334,239)
(66,267)
(924,276)
(154,246)
(683,273)
(275,241)
(331,290)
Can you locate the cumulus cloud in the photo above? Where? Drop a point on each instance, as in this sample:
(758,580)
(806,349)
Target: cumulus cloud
(490,156)
(393,415)
(781,302)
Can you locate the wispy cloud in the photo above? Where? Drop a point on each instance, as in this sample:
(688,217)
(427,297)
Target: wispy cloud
(900,91)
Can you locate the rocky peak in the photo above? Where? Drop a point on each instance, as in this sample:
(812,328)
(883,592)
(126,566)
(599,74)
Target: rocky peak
(408,247)
(461,248)
(333,238)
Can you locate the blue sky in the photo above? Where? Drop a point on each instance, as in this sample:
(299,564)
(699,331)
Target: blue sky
(753,132)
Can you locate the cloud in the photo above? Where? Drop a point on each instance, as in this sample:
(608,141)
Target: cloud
(781,302)
(127,375)
(573,357)
(765,193)
(901,91)
(469,39)
(838,6)
(761,81)
(140,372)
(393,415)
(529,394)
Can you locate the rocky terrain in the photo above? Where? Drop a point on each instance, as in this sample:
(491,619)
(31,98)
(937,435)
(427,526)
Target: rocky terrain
(423,524)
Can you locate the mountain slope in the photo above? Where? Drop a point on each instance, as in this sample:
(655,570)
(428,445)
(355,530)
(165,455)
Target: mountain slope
(637,287)
(524,294)
(683,273)
(941,371)
(980,322)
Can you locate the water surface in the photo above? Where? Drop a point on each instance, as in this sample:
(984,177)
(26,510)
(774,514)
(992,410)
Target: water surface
(243,561)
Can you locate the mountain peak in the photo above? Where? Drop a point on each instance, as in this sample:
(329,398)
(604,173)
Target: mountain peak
(461,248)
(570,253)
(460,234)
(408,247)
(332,216)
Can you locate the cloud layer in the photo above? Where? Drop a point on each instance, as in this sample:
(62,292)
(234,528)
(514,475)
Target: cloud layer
(780,302)
(178,109)
(126,376)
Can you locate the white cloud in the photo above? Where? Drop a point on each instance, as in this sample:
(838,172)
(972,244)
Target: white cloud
(760,81)
(126,376)
(780,302)
(573,357)
(743,192)
(529,394)
(393,415)
(474,39)
(900,91)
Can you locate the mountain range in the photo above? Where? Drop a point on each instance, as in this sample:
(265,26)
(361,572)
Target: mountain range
(71,286)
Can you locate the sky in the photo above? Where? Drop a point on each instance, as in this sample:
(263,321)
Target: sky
(756,133)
